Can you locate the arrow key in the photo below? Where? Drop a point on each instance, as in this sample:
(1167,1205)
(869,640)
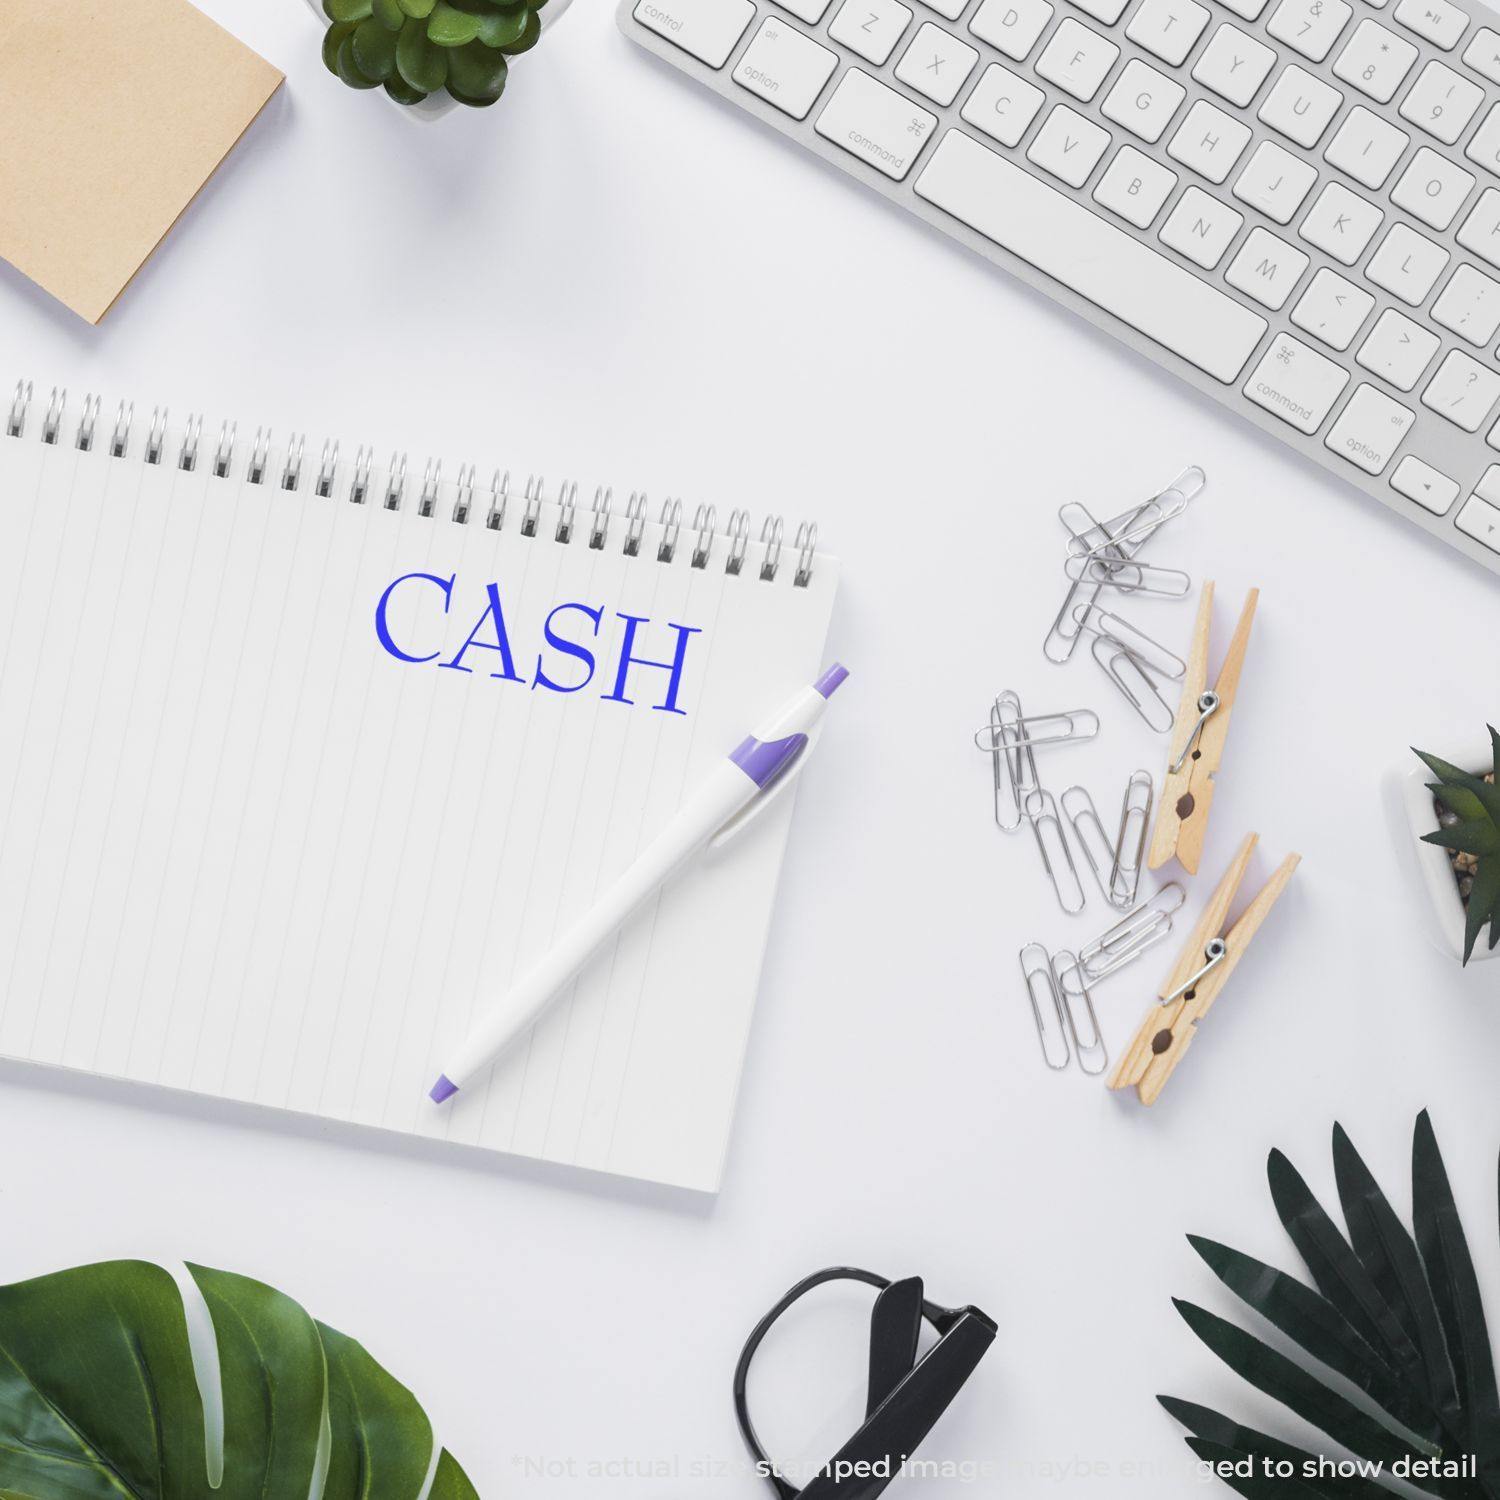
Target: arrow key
(1419,481)
(1332,309)
(1481,520)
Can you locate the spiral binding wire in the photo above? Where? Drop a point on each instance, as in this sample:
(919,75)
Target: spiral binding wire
(704,533)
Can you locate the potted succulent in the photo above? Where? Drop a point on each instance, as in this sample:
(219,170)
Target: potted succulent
(1457,820)
(430,55)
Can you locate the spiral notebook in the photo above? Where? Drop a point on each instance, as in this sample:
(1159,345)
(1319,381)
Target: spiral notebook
(306,755)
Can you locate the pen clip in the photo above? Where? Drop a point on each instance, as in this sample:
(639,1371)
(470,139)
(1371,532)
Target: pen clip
(773,789)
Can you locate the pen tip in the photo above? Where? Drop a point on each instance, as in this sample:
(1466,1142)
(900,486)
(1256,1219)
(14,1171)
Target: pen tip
(829,682)
(443,1089)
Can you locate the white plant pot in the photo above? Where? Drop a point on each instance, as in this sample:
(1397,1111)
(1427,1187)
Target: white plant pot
(1434,871)
(435,106)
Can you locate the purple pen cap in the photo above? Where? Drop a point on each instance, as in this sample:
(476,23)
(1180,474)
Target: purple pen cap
(830,681)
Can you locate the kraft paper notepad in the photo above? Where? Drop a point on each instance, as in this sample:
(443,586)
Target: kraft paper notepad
(304,760)
(113,114)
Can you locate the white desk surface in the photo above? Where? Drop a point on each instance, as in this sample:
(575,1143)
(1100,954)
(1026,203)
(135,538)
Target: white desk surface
(613,277)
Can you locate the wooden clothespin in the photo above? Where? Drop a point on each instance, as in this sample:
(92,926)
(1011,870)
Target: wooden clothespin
(1198,739)
(1194,984)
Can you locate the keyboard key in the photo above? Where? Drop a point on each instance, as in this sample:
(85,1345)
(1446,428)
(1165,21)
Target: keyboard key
(936,64)
(1333,309)
(1398,349)
(1432,189)
(1169,28)
(1366,147)
(1370,429)
(875,123)
(870,27)
(1310,26)
(708,29)
(1470,306)
(1463,390)
(1341,223)
(1480,520)
(1407,264)
(949,10)
(1300,106)
(1108,266)
(1249,9)
(784,67)
(1003,105)
(1488,487)
(1107,11)
(1135,186)
(1209,141)
(1442,24)
(1296,383)
(1011,26)
(1266,268)
(1483,53)
(1234,65)
(1076,59)
(1375,61)
(1429,487)
(1142,100)
(1442,102)
(1201,227)
(1481,230)
(1068,146)
(1275,182)
(1485,147)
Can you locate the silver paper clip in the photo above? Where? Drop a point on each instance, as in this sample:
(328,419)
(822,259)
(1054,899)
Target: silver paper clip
(1128,577)
(1062,639)
(1213,955)
(1130,841)
(1072,984)
(1040,807)
(1071,726)
(1037,965)
(1014,763)
(1136,685)
(1132,935)
(1007,799)
(1113,627)
(1149,519)
(1088,831)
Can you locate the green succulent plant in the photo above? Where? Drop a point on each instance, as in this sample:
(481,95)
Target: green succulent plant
(413,48)
(1475,803)
(1394,1319)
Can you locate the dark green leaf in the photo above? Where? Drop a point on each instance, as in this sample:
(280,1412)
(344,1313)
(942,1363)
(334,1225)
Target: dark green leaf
(349,69)
(1390,1255)
(477,73)
(402,92)
(382,1440)
(1319,1327)
(450,1482)
(421,64)
(1495,748)
(97,1394)
(1339,1273)
(1256,1485)
(502,27)
(1472,838)
(374,50)
(347,10)
(389,14)
(1460,800)
(1484,906)
(333,39)
(273,1384)
(530,34)
(1447,772)
(1272,1372)
(1455,1289)
(1215,1428)
(447,27)
(418,10)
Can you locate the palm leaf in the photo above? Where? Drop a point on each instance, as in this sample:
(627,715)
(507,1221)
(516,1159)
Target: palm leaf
(1390,1255)
(1255,1487)
(1213,1427)
(1319,1327)
(1455,1291)
(1339,1273)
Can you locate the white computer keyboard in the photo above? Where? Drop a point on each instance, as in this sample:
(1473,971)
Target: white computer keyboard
(1293,204)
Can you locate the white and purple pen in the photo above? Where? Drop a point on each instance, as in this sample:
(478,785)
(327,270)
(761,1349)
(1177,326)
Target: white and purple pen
(734,792)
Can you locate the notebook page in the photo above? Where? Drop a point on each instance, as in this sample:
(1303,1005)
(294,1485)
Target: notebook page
(254,850)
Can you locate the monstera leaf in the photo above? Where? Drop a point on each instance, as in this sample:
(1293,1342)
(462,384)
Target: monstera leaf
(120,1382)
